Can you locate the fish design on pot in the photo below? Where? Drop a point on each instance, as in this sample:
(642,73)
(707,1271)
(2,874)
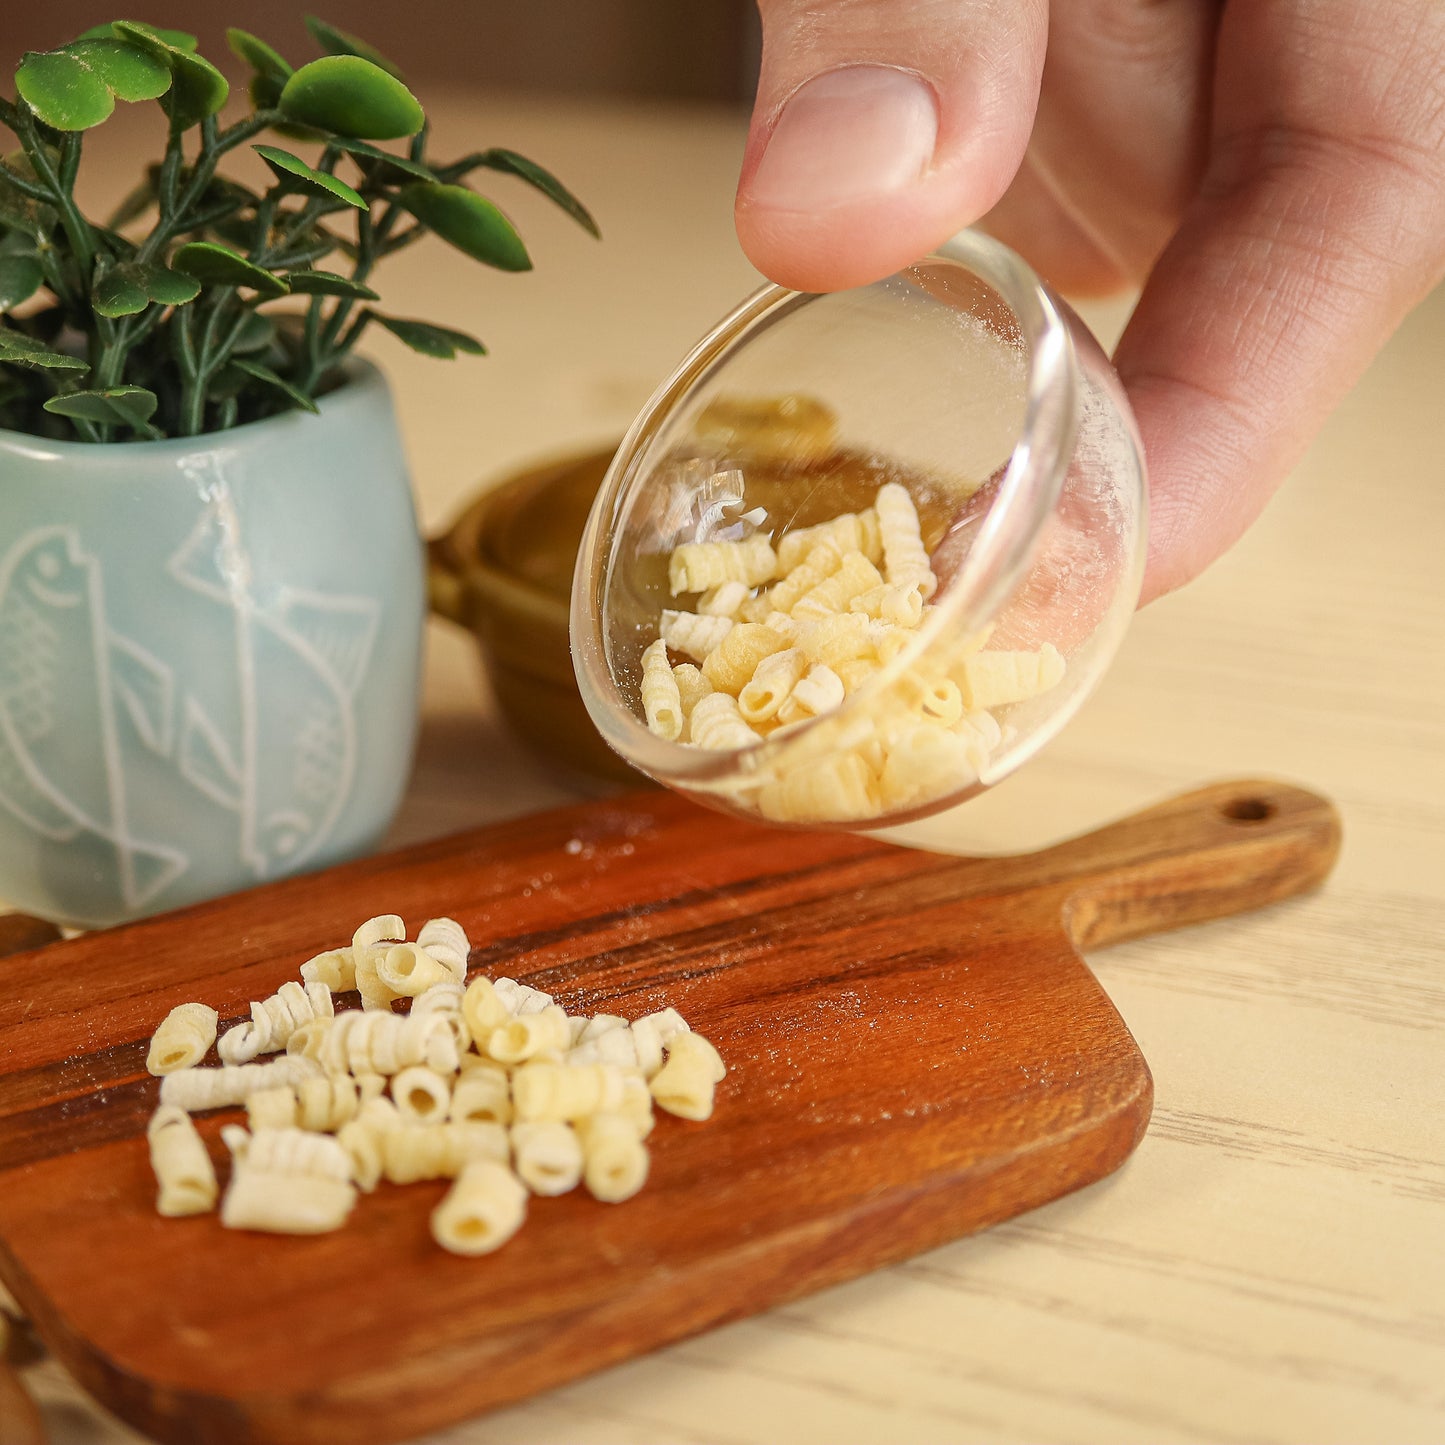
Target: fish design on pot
(285,760)
(67,682)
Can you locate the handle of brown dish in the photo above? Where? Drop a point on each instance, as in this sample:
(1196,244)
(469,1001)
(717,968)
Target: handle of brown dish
(20,1422)
(446,590)
(1222,850)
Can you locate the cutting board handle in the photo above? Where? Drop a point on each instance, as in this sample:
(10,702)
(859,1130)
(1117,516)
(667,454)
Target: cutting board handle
(1221,850)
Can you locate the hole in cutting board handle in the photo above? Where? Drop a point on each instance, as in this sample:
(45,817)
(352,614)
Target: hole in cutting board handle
(1248,810)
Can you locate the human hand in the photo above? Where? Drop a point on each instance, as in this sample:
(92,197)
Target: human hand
(1272,171)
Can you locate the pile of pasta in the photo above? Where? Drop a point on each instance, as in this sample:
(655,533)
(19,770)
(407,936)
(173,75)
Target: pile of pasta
(490,1084)
(778,636)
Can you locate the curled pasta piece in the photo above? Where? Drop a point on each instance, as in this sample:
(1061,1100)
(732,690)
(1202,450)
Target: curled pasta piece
(905,559)
(839,788)
(286,1181)
(565,1091)
(368,944)
(850,532)
(272,1108)
(820,691)
(820,564)
(482,1210)
(661,700)
(784,624)
(651,1034)
(923,763)
(483,1008)
(336,968)
(837,639)
(522,998)
(996,679)
(731,664)
(287,1151)
(421,1095)
(698,566)
(636,1105)
(411,1152)
(482,1095)
(771,685)
(444,997)
(939,700)
(600,1024)
(274,1020)
(855,673)
(614,1158)
(686,1082)
(530,1035)
(445,1000)
(854,577)
(716,724)
(286,1203)
(185,1176)
(446,940)
(328,1103)
(547,1155)
(692,687)
(385,1043)
(197,1090)
(723,601)
(900,605)
(693,634)
(407,969)
(183,1038)
(363,1148)
(616,1048)
(306,1040)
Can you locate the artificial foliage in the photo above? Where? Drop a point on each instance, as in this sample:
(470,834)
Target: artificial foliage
(201,302)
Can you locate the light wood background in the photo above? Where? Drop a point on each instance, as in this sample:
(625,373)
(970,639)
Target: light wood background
(1270,1267)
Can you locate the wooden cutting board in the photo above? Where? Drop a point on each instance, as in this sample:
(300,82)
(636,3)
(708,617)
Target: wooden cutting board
(916,1051)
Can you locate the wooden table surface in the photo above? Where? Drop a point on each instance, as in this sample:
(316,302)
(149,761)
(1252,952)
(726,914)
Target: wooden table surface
(1270,1266)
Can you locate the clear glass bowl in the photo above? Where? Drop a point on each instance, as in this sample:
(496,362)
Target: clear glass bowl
(961,381)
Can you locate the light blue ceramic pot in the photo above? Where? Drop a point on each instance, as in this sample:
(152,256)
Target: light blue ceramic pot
(209,657)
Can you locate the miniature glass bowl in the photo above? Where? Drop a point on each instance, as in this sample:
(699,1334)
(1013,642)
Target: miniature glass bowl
(965,380)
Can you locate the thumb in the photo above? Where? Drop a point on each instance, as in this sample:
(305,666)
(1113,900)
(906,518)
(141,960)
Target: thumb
(881,127)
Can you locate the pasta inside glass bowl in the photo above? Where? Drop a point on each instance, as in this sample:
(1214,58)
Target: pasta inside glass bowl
(864,553)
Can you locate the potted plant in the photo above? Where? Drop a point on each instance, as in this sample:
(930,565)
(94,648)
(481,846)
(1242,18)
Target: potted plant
(211,601)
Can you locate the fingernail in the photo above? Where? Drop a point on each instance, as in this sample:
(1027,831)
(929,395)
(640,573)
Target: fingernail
(862,131)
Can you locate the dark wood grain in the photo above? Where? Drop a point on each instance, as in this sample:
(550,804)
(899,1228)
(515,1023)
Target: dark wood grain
(916,1052)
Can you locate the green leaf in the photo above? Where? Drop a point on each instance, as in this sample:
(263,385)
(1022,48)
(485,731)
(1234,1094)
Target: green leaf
(176,39)
(469,222)
(352,97)
(131,72)
(22,350)
(63,91)
(422,336)
(117,293)
(257,54)
(265,375)
(381,161)
(168,287)
(329,283)
(535,175)
(130,287)
(197,90)
(339,42)
(131,406)
(20,278)
(285,166)
(215,265)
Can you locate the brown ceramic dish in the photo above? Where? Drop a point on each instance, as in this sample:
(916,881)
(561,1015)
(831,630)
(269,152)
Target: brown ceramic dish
(504,572)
